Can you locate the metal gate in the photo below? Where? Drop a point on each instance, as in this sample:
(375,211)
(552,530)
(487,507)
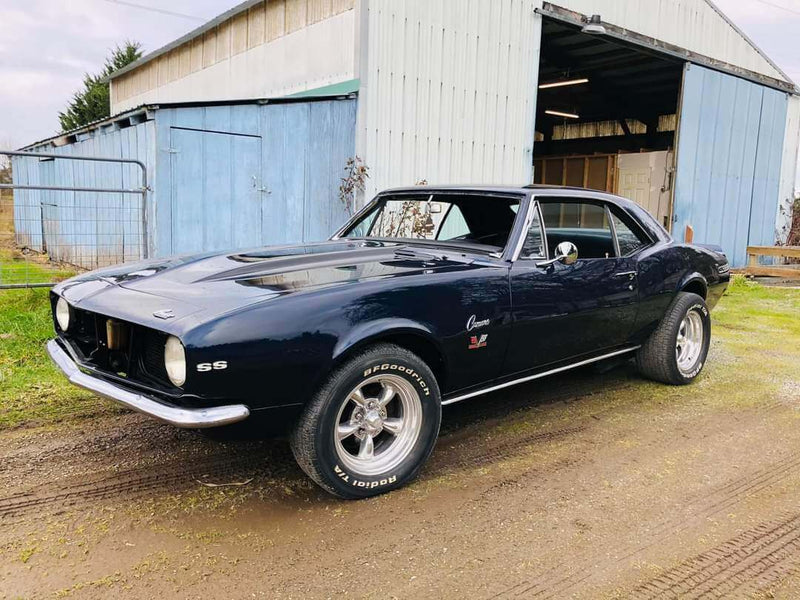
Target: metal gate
(52,227)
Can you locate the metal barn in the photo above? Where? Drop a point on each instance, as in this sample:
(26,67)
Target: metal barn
(220,176)
(666,102)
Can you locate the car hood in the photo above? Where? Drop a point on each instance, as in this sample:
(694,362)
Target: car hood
(213,284)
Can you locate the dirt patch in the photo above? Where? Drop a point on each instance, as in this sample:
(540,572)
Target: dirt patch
(586,485)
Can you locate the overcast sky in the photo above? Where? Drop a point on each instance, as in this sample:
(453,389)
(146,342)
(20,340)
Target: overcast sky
(47,45)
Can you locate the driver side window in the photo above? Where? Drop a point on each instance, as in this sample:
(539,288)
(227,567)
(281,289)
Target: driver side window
(584,223)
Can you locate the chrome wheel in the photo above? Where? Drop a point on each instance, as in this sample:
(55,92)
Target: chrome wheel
(689,344)
(378,425)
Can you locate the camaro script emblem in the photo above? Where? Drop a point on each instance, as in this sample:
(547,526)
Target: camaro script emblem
(164,314)
(473,324)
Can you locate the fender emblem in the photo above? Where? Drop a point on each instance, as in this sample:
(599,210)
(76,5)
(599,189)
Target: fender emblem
(164,314)
(472,323)
(476,342)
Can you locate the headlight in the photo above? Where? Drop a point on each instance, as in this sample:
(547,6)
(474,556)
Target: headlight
(175,361)
(62,314)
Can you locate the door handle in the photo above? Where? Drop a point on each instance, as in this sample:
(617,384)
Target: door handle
(626,274)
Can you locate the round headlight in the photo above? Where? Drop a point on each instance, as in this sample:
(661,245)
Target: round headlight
(62,314)
(175,361)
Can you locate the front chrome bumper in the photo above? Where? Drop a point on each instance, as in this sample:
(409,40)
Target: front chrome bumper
(180,417)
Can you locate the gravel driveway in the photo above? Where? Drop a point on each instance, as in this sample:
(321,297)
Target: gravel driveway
(586,485)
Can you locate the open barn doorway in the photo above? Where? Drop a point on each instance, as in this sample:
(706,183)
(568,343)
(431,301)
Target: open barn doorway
(606,116)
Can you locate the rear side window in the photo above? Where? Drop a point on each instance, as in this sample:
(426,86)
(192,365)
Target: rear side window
(630,240)
(584,224)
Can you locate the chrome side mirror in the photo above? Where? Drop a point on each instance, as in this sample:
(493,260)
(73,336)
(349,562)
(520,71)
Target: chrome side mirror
(566,253)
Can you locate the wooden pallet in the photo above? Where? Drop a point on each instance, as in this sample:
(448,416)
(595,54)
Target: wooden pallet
(786,271)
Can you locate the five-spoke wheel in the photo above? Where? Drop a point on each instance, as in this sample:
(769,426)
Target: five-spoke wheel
(689,342)
(378,424)
(372,425)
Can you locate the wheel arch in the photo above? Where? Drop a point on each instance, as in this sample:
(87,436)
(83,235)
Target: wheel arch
(695,284)
(407,334)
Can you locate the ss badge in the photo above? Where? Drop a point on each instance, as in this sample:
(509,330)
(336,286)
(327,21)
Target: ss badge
(217,365)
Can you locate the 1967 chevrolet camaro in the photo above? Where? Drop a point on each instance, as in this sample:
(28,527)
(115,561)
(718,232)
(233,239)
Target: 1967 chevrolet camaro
(426,297)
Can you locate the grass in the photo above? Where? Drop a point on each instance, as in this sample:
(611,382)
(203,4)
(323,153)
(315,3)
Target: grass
(17,268)
(751,320)
(32,390)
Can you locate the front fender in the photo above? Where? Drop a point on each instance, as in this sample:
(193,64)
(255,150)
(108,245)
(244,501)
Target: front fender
(381,328)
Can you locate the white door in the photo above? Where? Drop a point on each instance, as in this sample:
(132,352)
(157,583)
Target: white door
(634,184)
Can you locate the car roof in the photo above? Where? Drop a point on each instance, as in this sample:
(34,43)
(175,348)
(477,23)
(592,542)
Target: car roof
(502,189)
(534,188)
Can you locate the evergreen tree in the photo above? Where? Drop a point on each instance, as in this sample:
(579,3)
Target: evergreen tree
(93,101)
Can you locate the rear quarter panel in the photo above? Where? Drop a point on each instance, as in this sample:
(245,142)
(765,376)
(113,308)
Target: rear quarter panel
(666,269)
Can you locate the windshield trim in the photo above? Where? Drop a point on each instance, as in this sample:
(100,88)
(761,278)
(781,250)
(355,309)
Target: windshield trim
(506,252)
(482,248)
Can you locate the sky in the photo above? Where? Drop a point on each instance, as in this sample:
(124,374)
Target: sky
(47,45)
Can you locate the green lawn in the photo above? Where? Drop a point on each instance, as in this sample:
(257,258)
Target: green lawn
(751,318)
(16,268)
(32,391)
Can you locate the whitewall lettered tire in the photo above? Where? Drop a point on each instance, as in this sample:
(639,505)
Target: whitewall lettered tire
(676,351)
(372,425)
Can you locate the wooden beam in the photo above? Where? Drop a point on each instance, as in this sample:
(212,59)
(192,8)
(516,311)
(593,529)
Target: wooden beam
(786,251)
(785,272)
(756,270)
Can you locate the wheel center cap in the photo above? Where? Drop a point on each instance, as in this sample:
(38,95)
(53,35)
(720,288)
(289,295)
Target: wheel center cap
(373,422)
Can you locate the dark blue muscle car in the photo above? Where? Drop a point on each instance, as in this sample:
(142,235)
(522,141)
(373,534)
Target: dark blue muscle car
(426,297)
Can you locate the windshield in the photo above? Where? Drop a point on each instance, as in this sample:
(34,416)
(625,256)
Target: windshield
(467,219)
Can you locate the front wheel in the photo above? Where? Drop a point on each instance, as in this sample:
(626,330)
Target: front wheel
(372,425)
(676,351)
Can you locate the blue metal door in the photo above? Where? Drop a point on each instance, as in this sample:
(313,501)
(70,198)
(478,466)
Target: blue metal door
(730,144)
(216,193)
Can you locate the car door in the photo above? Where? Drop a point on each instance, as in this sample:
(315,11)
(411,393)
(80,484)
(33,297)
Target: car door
(562,312)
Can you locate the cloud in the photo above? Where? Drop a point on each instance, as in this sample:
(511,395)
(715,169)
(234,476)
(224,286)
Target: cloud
(46,47)
(772,29)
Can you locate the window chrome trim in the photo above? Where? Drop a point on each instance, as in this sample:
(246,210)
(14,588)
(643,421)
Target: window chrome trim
(523,234)
(613,227)
(539,375)
(538,212)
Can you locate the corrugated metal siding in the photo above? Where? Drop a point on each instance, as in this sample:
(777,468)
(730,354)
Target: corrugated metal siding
(729,159)
(289,159)
(691,24)
(450,91)
(87,229)
(790,169)
(221,176)
(273,49)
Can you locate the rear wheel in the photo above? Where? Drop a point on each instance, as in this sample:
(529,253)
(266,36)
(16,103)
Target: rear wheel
(372,426)
(676,351)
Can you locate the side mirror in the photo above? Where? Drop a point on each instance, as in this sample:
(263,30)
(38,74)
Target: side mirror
(566,253)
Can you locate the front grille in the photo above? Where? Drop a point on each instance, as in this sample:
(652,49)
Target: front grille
(152,354)
(83,331)
(141,359)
